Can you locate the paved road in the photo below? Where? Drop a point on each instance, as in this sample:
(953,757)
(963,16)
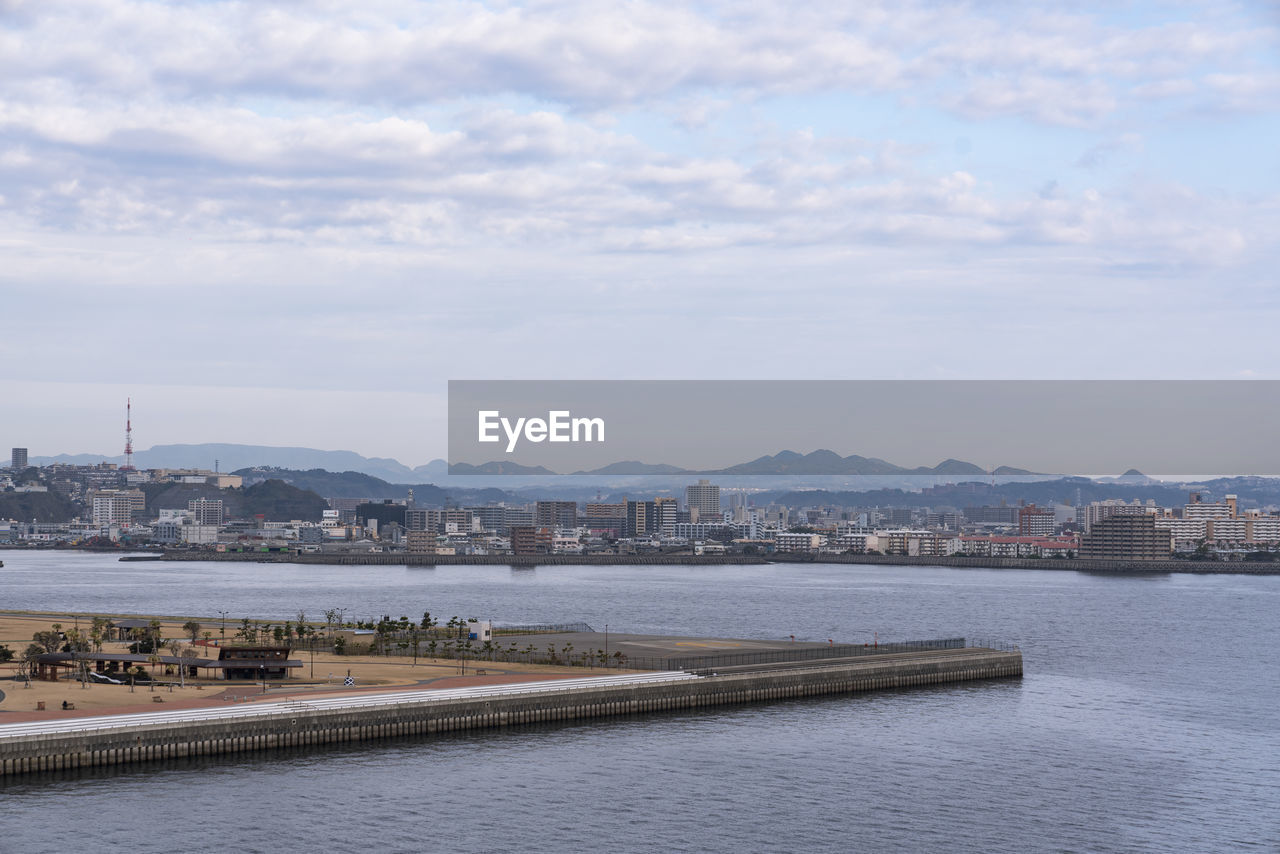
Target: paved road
(391,698)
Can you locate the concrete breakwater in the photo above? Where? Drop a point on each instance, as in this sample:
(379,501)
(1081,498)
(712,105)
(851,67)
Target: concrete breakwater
(68,744)
(1207,567)
(406,559)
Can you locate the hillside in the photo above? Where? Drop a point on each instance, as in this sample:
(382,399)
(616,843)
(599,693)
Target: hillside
(353,484)
(276,500)
(36,507)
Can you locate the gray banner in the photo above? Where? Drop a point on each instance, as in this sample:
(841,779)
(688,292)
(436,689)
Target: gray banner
(926,427)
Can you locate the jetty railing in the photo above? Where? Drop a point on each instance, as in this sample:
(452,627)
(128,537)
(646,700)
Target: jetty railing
(833,651)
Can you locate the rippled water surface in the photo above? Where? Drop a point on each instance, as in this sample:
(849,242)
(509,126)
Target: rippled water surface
(1149,720)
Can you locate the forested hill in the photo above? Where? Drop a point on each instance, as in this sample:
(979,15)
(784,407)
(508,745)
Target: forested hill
(36,507)
(354,484)
(275,500)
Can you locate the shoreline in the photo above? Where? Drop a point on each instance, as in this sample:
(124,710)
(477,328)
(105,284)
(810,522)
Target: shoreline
(952,561)
(517,561)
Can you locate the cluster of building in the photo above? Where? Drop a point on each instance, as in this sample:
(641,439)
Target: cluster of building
(699,524)
(692,522)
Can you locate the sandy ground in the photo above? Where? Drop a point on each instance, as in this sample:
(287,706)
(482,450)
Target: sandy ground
(325,676)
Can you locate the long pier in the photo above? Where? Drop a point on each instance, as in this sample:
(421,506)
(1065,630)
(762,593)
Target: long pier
(129,738)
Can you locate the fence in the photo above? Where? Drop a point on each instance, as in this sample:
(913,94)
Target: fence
(542,629)
(783,656)
(567,654)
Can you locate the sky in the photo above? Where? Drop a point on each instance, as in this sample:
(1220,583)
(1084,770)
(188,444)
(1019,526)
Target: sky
(290,223)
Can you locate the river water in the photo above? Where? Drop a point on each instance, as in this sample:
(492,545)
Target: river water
(1148,720)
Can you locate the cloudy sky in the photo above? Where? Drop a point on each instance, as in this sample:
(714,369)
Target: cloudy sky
(291,222)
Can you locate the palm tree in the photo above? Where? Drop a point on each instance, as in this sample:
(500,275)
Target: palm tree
(98,632)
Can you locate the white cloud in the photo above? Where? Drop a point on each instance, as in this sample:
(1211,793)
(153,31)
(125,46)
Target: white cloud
(592,178)
(590,55)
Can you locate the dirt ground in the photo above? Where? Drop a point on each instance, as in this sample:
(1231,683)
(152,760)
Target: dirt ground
(325,674)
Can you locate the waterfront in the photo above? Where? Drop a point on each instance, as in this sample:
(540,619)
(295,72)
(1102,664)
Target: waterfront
(1145,721)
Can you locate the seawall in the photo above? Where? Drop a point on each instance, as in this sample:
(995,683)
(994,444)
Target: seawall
(1207,567)
(406,559)
(299,725)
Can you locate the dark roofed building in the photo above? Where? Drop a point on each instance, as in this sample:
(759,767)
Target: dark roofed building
(254,662)
(243,662)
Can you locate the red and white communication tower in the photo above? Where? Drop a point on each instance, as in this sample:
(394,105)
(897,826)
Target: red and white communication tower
(128,435)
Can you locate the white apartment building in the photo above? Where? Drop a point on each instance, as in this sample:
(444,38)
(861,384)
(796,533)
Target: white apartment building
(788,541)
(704,497)
(117,506)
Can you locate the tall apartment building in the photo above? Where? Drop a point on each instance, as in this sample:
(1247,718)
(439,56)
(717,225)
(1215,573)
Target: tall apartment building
(1200,510)
(1035,521)
(455,520)
(490,518)
(948,521)
(704,497)
(1126,537)
(18,459)
(556,514)
(642,518)
(419,519)
(420,541)
(116,506)
(531,540)
(205,511)
(606,515)
(666,511)
(1089,515)
(605,510)
(517,516)
(989,515)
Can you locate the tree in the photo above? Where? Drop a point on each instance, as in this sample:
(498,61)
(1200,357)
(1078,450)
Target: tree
(48,641)
(76,642)
(98,632)
(28,658)
(192,628)
(175,649)
(427,622)
(189,656)
(6,654)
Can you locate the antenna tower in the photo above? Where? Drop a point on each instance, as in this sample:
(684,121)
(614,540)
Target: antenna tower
(128,434)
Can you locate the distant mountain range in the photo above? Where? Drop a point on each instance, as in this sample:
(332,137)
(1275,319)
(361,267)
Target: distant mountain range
(229,457)
(821,462)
